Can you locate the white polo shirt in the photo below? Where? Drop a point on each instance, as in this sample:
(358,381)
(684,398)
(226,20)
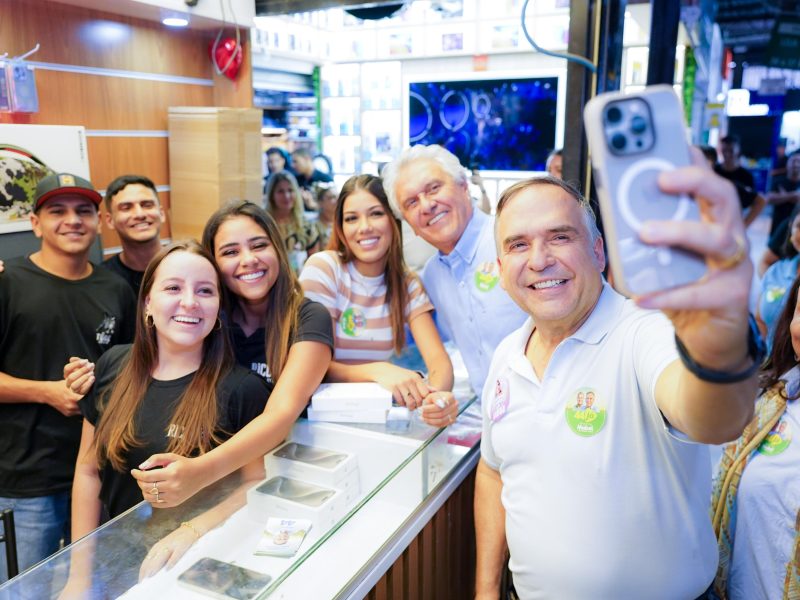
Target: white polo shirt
(601,502)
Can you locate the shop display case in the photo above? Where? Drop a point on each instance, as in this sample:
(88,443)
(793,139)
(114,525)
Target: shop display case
(403,478)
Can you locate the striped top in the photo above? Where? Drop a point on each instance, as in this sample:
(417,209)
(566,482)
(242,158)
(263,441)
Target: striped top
(358,306)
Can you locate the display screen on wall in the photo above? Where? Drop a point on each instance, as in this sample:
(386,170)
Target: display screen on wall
(496,125)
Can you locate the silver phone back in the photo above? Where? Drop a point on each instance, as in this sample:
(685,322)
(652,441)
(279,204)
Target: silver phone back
(629,195)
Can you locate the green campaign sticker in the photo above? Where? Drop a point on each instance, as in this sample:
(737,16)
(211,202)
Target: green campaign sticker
(486,276)
(585,414)
(777,441)
(775,293)
(353,321)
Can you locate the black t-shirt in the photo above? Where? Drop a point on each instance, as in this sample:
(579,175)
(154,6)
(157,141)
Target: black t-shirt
(44,320)
(316,177)
(134,278)
(241,397)
(314,325)
(743,181)
(781,212)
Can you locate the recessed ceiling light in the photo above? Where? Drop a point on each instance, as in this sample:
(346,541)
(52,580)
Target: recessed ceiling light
(175,21)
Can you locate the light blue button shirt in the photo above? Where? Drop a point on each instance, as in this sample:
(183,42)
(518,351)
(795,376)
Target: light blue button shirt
(472,308)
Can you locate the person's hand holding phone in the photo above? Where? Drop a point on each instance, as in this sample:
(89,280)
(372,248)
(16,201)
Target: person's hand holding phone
(717,303)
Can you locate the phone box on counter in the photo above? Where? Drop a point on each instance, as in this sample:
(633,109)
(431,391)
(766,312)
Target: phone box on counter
(319,466)
(351,396)
(284,498)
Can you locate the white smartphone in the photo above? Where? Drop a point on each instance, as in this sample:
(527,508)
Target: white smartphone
(224,581)
(633,138)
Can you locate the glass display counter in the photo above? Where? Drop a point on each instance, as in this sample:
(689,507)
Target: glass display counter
(403,477)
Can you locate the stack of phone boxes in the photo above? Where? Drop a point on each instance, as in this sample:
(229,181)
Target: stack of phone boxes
(306,482)
(350,403)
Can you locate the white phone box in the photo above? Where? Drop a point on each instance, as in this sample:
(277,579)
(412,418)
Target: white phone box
(363,415)
(351,396)
(320,466)
(283,498)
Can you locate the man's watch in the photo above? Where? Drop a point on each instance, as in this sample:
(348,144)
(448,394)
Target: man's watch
(756,350)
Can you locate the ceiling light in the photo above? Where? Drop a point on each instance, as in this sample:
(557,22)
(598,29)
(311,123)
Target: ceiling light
(175,21)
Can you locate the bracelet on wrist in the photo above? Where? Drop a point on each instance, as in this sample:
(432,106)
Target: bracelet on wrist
(191,528)
(756,350)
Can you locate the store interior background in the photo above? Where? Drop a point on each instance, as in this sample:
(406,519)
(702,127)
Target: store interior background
(338,85)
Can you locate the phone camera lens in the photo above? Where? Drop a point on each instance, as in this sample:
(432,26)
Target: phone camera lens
(618,141)
(638,124)
(614,115)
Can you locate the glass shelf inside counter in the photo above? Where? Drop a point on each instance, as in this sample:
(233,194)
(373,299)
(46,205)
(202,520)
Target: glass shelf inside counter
(396,471)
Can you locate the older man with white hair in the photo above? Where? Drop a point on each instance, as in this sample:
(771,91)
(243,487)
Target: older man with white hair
(427,186)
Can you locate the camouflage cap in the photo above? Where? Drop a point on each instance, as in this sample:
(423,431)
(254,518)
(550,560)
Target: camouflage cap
(64,183)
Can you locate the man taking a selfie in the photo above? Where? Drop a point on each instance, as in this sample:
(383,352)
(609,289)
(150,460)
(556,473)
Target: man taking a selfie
(658,385)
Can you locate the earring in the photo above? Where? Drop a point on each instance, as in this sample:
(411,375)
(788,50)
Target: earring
(148,321)
(219,324)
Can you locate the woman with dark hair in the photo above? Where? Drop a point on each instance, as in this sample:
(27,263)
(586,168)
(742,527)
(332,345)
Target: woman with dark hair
(371,296)
(756,501)
(283,202)
(778,279)
(176,389)
(275,332)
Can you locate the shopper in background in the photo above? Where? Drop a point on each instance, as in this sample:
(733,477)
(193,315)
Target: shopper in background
(751,202)
(283,202)
(626,479)
(778,279)
(326,199)
(53,304)
(428,187)
(756,500)
(371,296)
(276,332)
(176,389)
(554,163)
(307,176)
(785,192)
(278,160)
(134,212)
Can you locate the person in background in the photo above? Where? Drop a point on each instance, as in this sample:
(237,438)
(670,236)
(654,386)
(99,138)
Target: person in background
(756,499)
(326,199)
(134,212)
(785,192)
(428,187)
(283,202)
(780,160)
(53,304)
(307,176)
(777,280)
(751,201)
(637,449)
(554,163)
(710,154)
(481,199)
(176,389)
(278,160)
(776,248)
(371,297)
(275,331)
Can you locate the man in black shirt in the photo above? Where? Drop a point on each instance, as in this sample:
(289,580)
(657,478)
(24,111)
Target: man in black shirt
(53,304)
(751,201)
(307,176)
(134,212)
(785,192)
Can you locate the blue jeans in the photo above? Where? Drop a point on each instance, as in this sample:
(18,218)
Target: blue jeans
(41,524)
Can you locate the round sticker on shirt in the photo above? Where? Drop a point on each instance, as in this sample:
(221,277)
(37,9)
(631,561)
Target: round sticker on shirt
(778,439)
(585,414)
(499,406)
(775,293)
(486,276)
(353,321)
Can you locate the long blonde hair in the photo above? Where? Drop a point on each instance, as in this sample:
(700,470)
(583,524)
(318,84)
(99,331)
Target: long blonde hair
(196,412)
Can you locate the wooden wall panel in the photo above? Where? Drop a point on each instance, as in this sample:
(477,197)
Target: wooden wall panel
(81,37)
(439,564)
